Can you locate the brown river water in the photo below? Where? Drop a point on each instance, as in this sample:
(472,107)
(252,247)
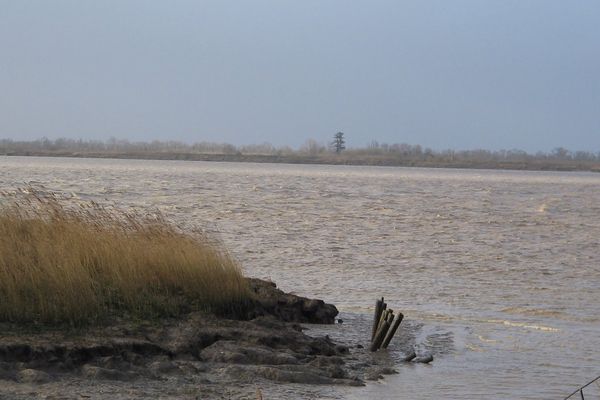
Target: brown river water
(499,270)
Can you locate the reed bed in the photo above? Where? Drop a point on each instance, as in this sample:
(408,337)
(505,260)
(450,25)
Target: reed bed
(67,261)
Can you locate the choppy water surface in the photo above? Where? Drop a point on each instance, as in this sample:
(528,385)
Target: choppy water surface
(501,268)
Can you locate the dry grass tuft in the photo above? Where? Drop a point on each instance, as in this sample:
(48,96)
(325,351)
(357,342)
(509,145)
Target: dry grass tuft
(72,262)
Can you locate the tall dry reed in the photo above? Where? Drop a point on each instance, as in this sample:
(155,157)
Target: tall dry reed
(75,262)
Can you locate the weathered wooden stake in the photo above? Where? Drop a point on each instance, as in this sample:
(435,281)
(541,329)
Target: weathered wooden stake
(385,325)
(392,331)
(390,317)
(379,336)
(384,317)
(378,311)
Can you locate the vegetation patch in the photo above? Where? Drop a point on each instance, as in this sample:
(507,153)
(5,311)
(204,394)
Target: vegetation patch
(70,262)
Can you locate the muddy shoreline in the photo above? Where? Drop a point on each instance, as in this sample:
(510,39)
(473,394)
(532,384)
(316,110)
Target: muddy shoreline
(199,356)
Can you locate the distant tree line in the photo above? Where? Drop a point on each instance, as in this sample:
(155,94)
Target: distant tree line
(397,153)
(124,145)
(416,152)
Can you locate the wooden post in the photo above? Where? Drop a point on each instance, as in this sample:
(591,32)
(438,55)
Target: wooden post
(379,336)
(378,311)
(390,317)
(392,331)
(384,317)
(384,325)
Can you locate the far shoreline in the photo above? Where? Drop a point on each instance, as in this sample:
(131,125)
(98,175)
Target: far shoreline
(328,159)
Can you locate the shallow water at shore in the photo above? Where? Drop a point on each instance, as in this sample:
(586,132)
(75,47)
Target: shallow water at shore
(501,268)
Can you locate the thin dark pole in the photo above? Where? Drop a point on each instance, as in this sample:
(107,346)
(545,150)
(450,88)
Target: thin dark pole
(580,390)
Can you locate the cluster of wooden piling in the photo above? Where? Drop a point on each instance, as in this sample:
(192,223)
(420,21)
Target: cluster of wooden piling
(385,326)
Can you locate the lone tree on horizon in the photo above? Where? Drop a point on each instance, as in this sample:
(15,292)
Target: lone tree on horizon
(338,142)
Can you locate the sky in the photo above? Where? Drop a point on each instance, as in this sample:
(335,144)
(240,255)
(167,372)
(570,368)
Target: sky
(447,74)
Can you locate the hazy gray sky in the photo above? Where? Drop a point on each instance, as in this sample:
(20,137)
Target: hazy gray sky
(444,74)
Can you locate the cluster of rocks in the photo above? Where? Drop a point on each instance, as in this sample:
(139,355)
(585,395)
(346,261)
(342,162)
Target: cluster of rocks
(202,351)
(268,300)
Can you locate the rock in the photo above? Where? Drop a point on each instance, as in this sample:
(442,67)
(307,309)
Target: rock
(342,349)
(388,371)
(335,371)
(410,356)
(99,373)
(360,366)
(374,375)
(163,367)
(292,374)
(311,305)
(426,359)
(288,307)
(117,362)
(14,352)
(325,362)
(7,372)
(230,352)
(33,376)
